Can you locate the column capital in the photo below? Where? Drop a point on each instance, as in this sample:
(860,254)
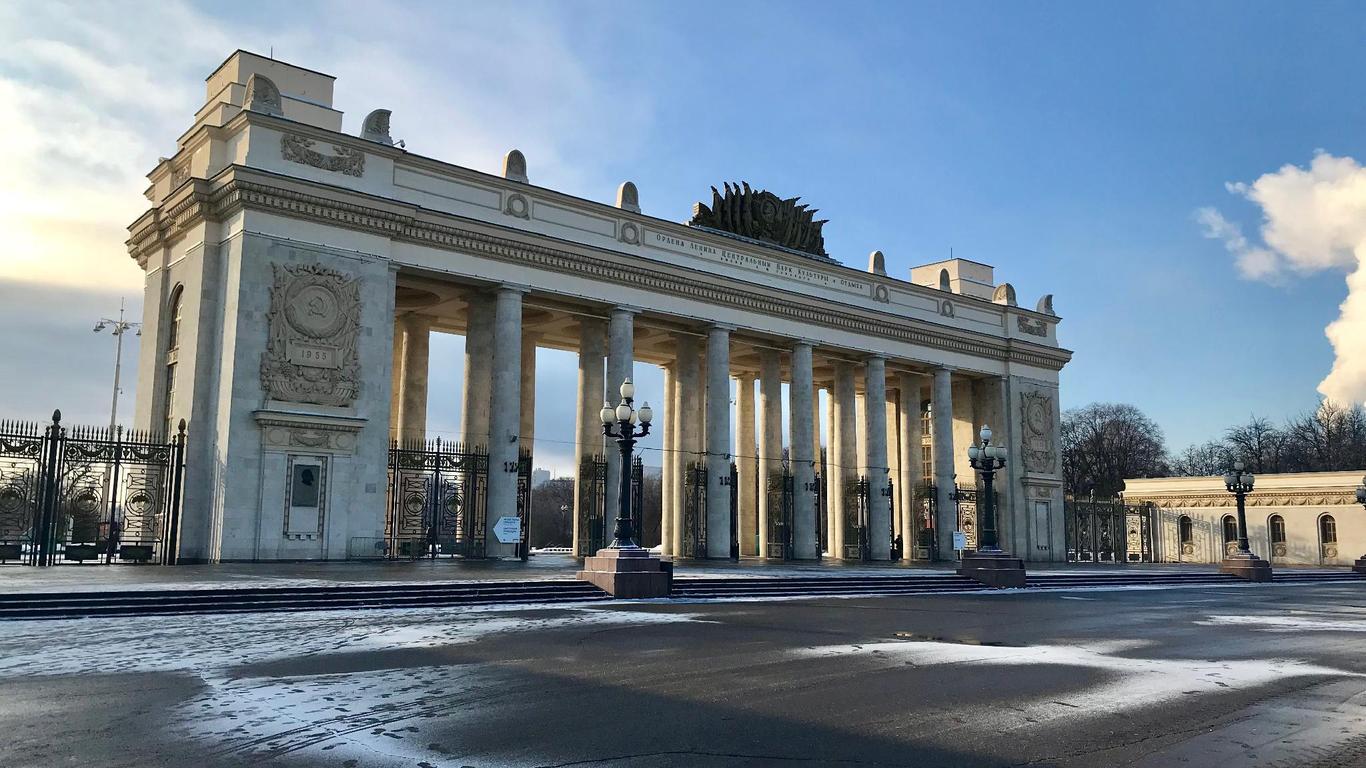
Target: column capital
(720,327)
(512,288)
(625,309)
(803,343)
(945,369)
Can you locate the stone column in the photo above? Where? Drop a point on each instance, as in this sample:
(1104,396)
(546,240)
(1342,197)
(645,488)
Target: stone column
(941,424)
(846,469)
(668,413)
(908,412)
(718,442)
(688,402)
(875,452)
(832,467)
(588,428)
(746,464)
(801,393)
(395,382)
(893,426)
(861,441)
(504,419)
(412,420)
(770,436)
(620,366)
(528,428)
(474,411)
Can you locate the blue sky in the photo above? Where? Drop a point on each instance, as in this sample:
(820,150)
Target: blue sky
(1068,144)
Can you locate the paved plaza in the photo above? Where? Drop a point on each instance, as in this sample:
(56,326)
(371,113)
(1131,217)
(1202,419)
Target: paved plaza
(1236,675)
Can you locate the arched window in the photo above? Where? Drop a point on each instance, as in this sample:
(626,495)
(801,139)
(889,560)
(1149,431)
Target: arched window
(1277,526)
(172,356)
(1186,529)
(1328,530)
(1230,529)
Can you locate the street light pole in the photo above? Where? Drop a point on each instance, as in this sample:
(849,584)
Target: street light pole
(118,328)
(986,459)
(1243,563)
(989,564)
(620,424)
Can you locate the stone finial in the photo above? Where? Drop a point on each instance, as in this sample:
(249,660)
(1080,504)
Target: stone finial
(514,166)
(944,283)
(263,96)
(376,127)
(877,264)
(1004,294)
(628,198)
(1045,305)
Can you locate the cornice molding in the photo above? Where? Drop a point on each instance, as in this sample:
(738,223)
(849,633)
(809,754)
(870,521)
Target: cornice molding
(227,194)
(1288,498)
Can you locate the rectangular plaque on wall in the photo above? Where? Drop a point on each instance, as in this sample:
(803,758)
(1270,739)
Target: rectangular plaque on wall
(313,355)
(1042,510)
(304,507)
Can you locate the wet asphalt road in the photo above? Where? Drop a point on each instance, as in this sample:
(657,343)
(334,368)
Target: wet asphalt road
(1255,676)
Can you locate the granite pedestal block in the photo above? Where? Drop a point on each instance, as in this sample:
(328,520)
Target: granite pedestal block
(994,569)
(627,573)
(1360,565)
(1246,566)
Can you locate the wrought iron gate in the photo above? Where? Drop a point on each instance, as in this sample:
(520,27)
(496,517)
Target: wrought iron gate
(437,500)
(925,546)
(780,496)
(595,530)
(1109,531)
(966,500)
(856,503)
(695,510)
(89,494)
(524,502)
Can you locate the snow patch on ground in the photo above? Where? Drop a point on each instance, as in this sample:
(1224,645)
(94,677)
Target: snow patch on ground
(1290,623)
(1128,683)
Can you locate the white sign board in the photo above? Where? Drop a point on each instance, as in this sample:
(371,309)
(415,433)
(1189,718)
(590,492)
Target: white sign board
(508,529)
(960,540)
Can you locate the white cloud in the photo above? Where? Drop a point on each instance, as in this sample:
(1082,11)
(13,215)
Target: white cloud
(1314,219)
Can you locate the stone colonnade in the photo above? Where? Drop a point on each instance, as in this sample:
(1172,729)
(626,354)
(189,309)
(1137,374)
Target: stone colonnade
(872,431)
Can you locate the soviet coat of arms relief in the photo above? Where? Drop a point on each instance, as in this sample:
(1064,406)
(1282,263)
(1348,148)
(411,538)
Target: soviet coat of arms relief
(1038,433)
(313,323)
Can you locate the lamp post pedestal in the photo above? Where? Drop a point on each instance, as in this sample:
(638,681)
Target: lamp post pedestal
(1246,565)
(628,573)
(994,569)
(1360,565)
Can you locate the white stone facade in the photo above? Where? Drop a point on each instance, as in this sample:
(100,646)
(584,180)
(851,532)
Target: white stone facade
(1301,518)
(306,265)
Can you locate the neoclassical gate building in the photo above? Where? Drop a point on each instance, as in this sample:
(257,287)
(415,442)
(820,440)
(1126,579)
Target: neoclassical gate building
(294,274)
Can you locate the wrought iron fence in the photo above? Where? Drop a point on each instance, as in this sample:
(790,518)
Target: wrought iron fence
(695,510)
(592,532)
(924,546)
(856,503)
(89,494)
(437,500)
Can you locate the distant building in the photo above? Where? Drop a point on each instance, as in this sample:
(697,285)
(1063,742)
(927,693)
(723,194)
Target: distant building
(539,476)
(1300,518)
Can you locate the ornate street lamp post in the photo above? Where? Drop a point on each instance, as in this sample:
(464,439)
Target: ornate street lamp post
(989,564)
(620,424)
(986,459)
(1360,565)
(1243,562)
(624,568)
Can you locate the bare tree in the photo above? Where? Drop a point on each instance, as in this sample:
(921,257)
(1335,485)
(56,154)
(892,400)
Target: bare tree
(1257,443)
(1104,443)
(552,513)
(1202,460)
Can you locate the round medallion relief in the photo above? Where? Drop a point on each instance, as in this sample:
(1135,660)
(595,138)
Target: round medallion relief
(314,310)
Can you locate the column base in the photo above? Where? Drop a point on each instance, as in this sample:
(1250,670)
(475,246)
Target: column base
(994,569)
(1360,565)
(628,573)
(1248,567)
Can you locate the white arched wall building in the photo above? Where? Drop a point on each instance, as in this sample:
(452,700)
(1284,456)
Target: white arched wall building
(308,266)
(1296,518)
